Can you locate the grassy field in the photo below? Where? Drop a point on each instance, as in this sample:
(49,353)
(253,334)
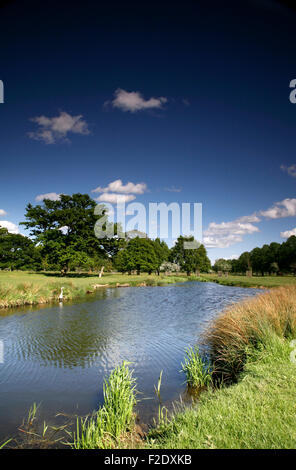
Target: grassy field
(251,346)
(257,412)
(254,281)
(19,288)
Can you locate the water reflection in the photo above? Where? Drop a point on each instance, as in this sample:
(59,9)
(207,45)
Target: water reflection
(60,354)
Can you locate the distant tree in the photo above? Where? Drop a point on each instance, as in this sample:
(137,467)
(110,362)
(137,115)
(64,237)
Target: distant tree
(287,255)
(18,252)
(162,252)
(257,260)
(222,265)
(274,267)
(243,263)
(139,255)
(189,260)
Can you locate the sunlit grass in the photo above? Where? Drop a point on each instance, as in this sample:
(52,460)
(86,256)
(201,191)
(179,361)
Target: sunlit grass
(24,288)
(250,346)
(198,371)
(247,326)
(115,417)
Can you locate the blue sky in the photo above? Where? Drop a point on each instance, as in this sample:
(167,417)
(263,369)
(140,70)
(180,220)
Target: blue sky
(193,98)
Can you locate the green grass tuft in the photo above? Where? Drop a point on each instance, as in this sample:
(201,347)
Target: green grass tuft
(114,418)
(198,372)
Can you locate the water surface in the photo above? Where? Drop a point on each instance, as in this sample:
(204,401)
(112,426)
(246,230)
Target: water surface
(59,355)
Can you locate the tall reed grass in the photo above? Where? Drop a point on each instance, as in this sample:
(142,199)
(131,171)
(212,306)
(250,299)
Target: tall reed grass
(197,370)
(248,326)
(27,293)
(114,418)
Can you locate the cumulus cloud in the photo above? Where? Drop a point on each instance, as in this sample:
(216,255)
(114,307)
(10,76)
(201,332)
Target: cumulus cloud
(11,227)
(56,129)
(285,208)
(114,198)
(133,101)
(291,170)
(249,218)
(227,233)
(118,187)
(288,233)
(2,212)
(51,196)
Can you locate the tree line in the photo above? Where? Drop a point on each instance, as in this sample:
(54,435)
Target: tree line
(62,238)
(276,258)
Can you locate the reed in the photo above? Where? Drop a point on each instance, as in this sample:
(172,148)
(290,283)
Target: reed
(247,327)
(198,372)
(104,427)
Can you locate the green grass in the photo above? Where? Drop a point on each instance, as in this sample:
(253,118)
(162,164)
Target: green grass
(198,373)
(105,427)
(250,345)
(257,412)
(19,288)
(254,281)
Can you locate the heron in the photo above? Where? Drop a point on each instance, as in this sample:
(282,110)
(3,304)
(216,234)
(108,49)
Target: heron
(61,295)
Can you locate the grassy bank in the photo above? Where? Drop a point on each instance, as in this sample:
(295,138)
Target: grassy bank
(250,346)
(19,288)
(24,288)
(254,281)
(251,394)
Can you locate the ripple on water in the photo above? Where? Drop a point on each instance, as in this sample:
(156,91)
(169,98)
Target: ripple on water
(59,355)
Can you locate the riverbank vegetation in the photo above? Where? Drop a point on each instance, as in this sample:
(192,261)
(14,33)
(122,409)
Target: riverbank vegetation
(197,369)
(250,347)
(115,418)
(247,383)
(19,288)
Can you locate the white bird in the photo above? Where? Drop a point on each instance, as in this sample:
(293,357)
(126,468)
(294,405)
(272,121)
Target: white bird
(61,295)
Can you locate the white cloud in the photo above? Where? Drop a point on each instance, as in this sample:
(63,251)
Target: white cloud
(249,218)
(173,189)
(291,170)
(285,208)
(288,233)
(11,227)
(133,101)
(227,233)
(52,130)
(118,187)
(2,212)
(114,198)
(51,196)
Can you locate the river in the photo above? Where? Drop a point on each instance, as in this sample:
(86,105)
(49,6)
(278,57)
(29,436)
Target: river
(59,355)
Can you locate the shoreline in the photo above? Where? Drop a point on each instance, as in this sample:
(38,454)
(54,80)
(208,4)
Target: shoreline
(41,292)
(257,392)
(231,412)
